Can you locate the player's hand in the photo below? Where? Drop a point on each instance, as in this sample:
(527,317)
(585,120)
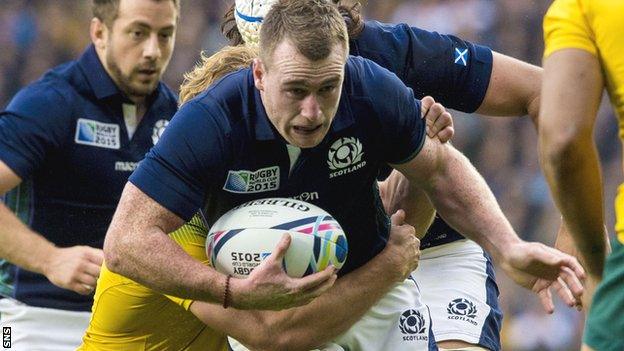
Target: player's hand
(403,247)
(439,120)
(74,268)
(539,268)
(268,287)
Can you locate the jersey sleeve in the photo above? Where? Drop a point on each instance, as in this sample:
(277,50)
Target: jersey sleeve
(565,26)
(402,131)
(453,71)
(177,171)
(37,120)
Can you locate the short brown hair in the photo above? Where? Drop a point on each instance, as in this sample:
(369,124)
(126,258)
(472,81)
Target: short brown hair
(108,10)
(209,69)
(314,27)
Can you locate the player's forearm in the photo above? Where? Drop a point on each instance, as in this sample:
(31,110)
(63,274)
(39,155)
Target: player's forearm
(465,201)
(573,173)
(291,329)
(340,307)
(565,243)
(138,247)
(22,246)
(398,194)
(154,260)
(567,149)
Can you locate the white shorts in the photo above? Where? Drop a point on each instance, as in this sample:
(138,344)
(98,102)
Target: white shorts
(42,329)
(456,281)
(398,322)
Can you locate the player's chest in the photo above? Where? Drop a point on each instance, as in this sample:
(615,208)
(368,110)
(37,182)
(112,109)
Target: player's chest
(338,169)
(101,148)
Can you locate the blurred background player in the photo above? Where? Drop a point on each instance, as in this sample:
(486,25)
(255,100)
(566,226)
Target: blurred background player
(584,53)
(68,143)
(210,162)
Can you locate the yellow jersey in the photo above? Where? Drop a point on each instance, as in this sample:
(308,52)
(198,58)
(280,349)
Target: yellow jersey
(595,26)
(129,316)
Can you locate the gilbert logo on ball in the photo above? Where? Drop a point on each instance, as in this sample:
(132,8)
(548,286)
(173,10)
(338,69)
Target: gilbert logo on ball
(244,236)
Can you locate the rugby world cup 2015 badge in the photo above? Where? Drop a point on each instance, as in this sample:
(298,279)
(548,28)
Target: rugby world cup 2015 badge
(246,182)
(98,134)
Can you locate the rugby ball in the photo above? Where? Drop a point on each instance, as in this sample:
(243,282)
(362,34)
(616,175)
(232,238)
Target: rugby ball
(244,236)
(249,15)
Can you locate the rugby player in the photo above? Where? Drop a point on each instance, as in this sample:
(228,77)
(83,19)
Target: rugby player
(280,100)
(583,55)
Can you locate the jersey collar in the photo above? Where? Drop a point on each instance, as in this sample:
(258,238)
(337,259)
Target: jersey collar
(99,80)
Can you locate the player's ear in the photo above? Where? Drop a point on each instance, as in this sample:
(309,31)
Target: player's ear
(98,32)
(259,72)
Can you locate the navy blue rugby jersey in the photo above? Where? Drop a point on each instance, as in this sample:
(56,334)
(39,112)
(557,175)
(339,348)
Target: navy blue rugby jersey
(221,150)
(66,137)
(453,71)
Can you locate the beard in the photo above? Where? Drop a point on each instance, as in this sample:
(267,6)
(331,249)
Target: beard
(131,84)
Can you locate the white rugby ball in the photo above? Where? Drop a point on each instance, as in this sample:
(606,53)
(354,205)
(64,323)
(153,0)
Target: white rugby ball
(249,15)
(244,236)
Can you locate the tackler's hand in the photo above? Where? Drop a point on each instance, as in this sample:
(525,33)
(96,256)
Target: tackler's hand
(439,120)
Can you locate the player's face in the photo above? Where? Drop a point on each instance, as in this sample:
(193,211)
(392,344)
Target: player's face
(301,96)
(139,44)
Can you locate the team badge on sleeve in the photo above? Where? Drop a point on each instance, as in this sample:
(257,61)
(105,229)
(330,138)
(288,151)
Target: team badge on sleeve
(461,56)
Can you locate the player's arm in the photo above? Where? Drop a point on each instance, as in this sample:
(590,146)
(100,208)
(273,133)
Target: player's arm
(513,90)
(24,141)
(75,268)
(571,95)
(23,247)
(465,201)
(334,312)
(137,246)
(483,80)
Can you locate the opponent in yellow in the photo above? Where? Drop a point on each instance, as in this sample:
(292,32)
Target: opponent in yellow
(130,316)
(585,53)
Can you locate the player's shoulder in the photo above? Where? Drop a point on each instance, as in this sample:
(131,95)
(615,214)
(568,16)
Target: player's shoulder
(231,86)
(381,36)
(227,99)
(380,28)
(50,95)
(567,25)
(565,7)
(365,77)
(168,95)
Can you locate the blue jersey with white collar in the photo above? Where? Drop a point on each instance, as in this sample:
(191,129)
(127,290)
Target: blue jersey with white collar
(65,136)
(221,150)
(453,71)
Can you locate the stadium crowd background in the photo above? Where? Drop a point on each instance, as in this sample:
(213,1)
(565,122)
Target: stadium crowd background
(38,34)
